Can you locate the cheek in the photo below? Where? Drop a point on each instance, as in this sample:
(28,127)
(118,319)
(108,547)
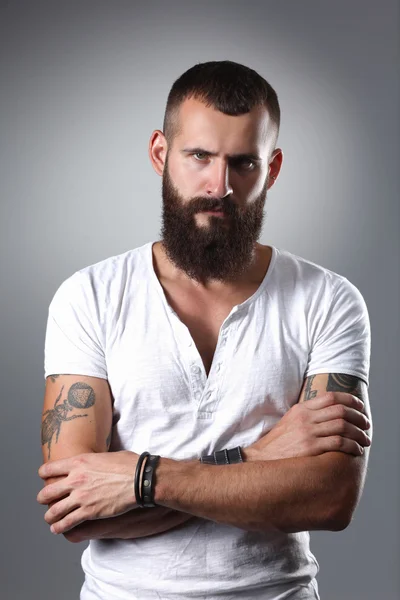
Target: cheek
(248,188)
(189,179)
(255,185)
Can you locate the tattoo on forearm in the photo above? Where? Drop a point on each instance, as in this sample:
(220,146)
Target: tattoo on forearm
(309,393)
(340,382)
(80,395)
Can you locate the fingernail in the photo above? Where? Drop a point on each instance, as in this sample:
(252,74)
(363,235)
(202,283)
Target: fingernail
(52,529)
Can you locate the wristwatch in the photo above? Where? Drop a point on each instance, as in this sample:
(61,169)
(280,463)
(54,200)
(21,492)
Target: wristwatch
(223,457)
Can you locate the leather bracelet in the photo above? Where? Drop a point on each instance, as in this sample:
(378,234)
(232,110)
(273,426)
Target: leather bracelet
(223,457)
(137,477)
(148,480)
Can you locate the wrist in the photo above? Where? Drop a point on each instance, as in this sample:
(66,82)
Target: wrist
(168,474)
(250,454)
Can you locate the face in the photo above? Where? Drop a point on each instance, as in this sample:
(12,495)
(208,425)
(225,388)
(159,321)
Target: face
(214,186)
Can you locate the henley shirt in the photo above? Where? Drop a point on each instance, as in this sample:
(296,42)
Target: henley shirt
(112,320)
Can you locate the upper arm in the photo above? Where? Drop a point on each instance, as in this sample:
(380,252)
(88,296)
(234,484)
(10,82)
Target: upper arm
(77,416)
(77,411)
(340,343)
(316,385)
(350,470)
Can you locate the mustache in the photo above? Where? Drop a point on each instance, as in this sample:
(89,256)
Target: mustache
(204,204)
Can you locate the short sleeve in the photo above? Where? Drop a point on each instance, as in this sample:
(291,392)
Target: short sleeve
(73,336)
(343,343)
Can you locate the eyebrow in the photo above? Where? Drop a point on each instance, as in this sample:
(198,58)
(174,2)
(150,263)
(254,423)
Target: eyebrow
(243,156)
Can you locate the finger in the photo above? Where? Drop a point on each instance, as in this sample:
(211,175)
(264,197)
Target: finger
(54,468)
(338,411)
(344,429)
(337,443)
(60,509)
(332,398)
(71,520)
(54,491)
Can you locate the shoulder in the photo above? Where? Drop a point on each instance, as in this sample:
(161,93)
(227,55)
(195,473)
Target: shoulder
(103,280)
(115,267)
(310,278)
(303,270)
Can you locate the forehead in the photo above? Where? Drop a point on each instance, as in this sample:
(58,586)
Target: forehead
(205,126)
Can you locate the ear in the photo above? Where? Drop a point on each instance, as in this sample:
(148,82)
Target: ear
(158,147)
(275,165)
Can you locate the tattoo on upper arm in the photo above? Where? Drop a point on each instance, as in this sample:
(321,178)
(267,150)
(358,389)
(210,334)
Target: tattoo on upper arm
(54,377)
(80,395)
(309,393)
(340,382)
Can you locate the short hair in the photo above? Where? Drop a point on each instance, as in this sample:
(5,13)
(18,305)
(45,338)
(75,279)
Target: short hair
(227,86)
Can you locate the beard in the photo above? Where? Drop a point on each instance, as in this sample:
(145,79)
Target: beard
(223,248)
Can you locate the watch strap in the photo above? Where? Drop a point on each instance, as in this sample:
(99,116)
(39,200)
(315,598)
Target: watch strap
(223,457)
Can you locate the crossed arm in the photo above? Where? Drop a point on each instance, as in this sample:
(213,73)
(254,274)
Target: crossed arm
(289,494)
(298,477)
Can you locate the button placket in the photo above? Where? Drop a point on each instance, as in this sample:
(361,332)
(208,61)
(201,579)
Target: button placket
(191,357)
(196,382)
(211,394)
(211,391)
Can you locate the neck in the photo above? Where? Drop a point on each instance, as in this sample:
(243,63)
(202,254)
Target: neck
(255,273)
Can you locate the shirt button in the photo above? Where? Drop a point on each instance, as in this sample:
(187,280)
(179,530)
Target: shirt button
(195,369)
(218,367)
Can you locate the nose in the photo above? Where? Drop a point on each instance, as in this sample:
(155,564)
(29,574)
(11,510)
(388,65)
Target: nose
(218,185)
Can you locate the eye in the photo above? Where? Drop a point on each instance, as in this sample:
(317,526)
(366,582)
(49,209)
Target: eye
(197,153)
(245,164)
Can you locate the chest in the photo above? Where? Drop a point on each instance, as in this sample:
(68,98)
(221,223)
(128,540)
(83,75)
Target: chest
(166,402)
(203,315)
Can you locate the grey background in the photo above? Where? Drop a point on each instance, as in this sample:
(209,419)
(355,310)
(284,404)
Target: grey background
(83,84)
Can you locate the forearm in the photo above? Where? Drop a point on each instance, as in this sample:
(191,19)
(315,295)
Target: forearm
(290,495)
(134,524)
(144,522)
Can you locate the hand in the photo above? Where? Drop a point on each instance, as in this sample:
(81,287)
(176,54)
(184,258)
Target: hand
(131,525)
(331,422)
(94,486)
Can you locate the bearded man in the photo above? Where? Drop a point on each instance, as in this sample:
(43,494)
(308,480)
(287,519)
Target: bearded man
(206,400)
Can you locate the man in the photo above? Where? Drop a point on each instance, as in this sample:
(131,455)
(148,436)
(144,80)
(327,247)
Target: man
(206,343)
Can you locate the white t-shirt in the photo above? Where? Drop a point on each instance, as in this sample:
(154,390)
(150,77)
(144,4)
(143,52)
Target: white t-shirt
(112,320)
